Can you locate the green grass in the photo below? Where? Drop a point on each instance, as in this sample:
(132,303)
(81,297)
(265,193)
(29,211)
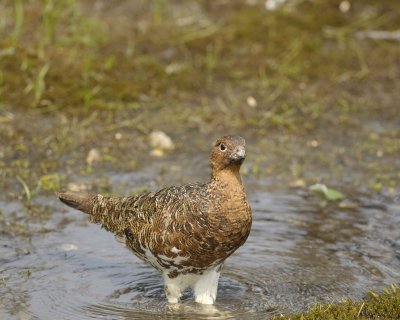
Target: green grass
(247,50)
(375,306)
(91,72)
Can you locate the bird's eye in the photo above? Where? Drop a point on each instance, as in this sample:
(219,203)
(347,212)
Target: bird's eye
(222,147)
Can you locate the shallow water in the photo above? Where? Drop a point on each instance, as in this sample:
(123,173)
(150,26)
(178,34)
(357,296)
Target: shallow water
(298,253)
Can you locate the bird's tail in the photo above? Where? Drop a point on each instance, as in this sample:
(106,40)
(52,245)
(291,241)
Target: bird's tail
(81,201)
(105,210)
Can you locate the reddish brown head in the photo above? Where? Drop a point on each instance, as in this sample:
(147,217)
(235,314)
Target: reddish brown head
(228,153)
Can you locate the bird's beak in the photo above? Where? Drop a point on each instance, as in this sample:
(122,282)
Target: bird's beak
(238,155)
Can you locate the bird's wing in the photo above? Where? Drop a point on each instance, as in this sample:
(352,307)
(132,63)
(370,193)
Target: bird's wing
(166,210)
(171,226)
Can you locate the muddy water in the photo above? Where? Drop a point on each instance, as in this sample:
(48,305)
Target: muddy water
(298,253)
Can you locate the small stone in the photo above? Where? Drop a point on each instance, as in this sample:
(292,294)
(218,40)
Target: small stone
(347,204)
(157,153)
(118,136)
(160,140)
(68,247)
(173,68)
(344,6)
(272,5)
(93,156)
(251,102)
(77,186)
(298,183)
(313,143)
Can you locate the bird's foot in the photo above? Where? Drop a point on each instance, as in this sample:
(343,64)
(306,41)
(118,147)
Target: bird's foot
(205,289)
(173,293)
(172,300)
(205,299)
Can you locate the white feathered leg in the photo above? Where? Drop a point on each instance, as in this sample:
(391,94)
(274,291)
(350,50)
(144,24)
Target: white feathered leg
(173,293)
(205,288)
(174,287)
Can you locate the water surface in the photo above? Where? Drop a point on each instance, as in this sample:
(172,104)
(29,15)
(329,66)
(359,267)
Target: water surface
(298,253)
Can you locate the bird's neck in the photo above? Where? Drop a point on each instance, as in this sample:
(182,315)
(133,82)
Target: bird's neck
(228,177)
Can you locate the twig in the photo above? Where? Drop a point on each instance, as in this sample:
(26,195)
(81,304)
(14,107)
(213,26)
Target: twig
(379,35)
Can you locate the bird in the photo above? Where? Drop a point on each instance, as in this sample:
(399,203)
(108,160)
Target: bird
(186,232)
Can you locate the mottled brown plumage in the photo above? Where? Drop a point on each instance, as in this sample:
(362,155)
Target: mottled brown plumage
(186,232)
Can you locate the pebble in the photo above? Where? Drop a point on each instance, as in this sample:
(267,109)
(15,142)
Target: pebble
(77,186)
(348,204)
(272,5)
(68,247)
(157,153)
(251,102)
(298,183)
(344,6)
(93,156)
(160,142)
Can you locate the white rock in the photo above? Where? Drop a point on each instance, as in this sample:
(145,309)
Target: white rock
(160,140)
(251,102)
(272,5)
(344,6)
(68,247)
(93,156)
(118,136)
(77,186)
(157,153)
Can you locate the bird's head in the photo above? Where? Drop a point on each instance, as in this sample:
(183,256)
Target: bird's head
(228,153)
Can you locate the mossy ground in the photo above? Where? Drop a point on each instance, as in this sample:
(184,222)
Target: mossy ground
(375,306)
(315,101)
(75,75)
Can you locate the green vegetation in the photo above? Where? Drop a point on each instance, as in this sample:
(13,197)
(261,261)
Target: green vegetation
(376,306)
(327,193)
(74,76)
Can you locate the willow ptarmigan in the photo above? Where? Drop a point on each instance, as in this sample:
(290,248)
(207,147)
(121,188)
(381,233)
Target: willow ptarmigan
(186,232)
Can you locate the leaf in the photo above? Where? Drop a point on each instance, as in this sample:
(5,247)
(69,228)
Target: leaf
(329,194)
(26,189)
(39,84)
(332,194)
